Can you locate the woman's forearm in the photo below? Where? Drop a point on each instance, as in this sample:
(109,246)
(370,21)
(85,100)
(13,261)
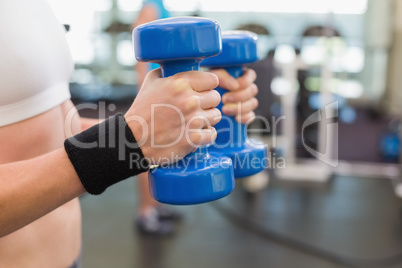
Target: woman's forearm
(32,188)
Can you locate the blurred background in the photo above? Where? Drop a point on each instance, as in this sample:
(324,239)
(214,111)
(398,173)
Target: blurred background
(331,196)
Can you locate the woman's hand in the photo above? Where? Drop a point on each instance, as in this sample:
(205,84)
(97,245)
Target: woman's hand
(240,101)
(172,116)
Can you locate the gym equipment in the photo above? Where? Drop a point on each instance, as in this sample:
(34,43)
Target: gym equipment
(389,144)
(248,155)
(178,45)
(319,169)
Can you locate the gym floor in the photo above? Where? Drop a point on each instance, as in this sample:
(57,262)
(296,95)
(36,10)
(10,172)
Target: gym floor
(348,222)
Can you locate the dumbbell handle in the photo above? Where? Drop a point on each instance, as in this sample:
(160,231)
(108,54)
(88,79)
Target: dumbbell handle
(173,67)
(238,132)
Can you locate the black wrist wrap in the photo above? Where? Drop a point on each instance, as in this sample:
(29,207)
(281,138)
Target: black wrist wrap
(105,154)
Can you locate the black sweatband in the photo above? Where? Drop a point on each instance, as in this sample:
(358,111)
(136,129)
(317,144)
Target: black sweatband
(105,154)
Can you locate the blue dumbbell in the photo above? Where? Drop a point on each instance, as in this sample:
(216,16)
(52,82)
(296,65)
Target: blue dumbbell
(178,45)
(248,155)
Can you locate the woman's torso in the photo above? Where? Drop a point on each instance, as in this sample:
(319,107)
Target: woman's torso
(35,66)
(55,239)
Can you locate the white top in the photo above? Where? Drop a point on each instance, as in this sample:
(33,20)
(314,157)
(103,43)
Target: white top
(35,61)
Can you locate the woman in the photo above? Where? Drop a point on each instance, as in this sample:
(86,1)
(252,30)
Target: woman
(40,218)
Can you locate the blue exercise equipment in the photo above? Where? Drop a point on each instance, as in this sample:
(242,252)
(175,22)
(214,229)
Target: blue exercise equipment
(178,45)
(248,155)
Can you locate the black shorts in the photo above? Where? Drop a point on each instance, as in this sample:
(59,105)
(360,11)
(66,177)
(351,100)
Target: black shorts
(77,263)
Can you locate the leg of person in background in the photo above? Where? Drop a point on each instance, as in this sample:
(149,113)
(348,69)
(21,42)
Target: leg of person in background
(152,216)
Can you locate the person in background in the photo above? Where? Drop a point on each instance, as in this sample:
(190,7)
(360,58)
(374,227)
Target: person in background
(152,217)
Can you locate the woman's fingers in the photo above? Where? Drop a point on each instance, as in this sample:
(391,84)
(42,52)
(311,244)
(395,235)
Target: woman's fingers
(240,95)
(233,109)
(199,81)
(226,81)
(205,118)
(209,99)
(245,118)
(200,137)
(247,78)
